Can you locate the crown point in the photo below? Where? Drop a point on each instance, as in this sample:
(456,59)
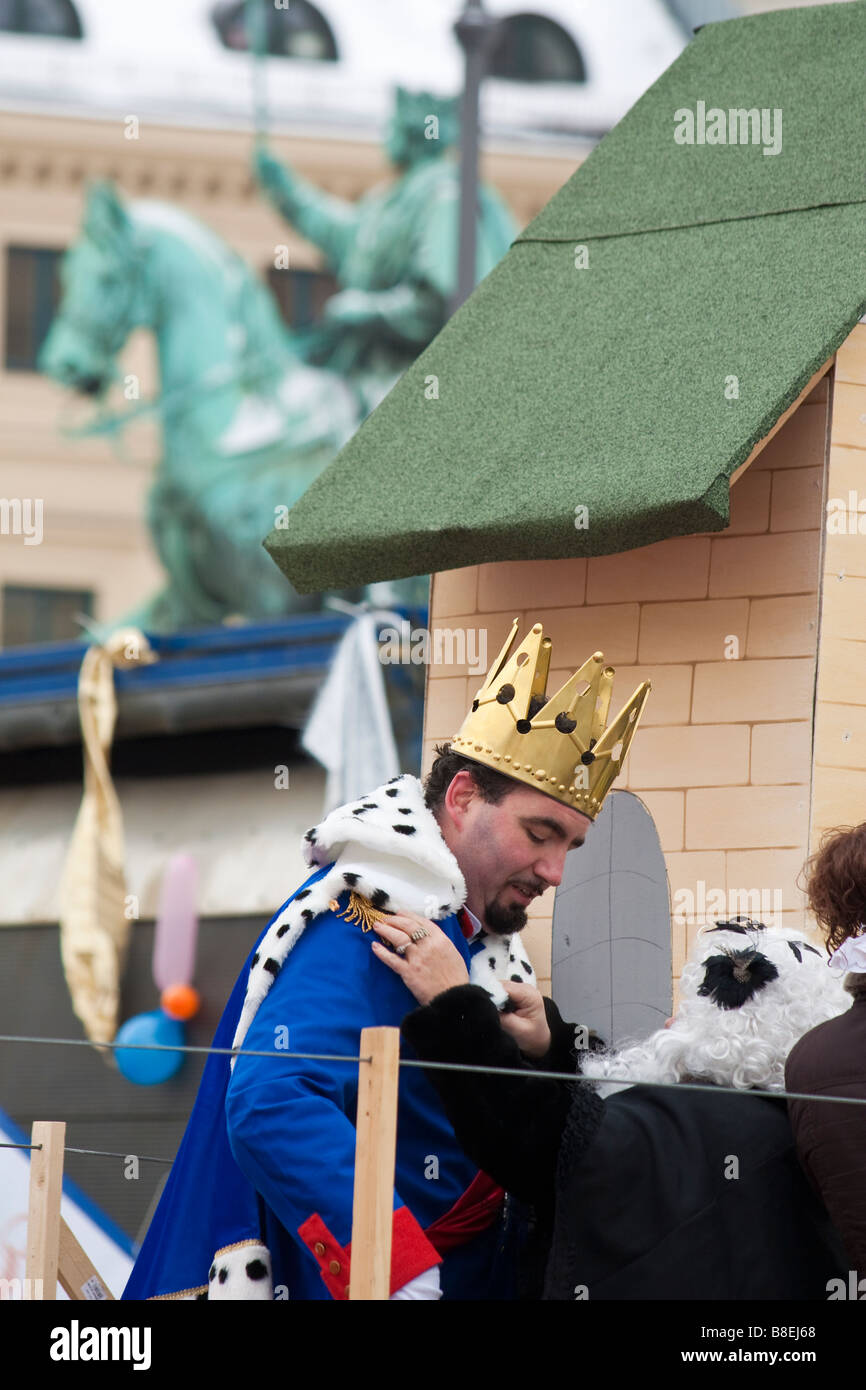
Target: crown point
(598,656)
(537,627)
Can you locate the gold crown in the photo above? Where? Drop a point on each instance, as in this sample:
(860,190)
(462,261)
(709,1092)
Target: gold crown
(558,746)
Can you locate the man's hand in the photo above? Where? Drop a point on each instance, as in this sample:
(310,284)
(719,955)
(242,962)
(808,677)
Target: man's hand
(527,1024)
(427,966)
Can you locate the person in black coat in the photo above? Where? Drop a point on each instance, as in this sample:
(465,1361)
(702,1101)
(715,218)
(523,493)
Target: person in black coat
(645,1191)
(831,1060)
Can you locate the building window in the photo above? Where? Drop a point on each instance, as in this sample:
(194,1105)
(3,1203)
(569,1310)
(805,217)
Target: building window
(32,298)
(530,48)
(297,30)
(301,294)
(53,19)
(43,615)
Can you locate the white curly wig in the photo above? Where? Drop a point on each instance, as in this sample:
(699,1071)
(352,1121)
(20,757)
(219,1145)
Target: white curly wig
(748,993)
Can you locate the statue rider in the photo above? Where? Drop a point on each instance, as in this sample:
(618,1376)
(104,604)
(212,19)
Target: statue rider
(394,252)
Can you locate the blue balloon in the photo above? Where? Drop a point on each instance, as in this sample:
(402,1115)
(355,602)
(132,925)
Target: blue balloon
(149,1068)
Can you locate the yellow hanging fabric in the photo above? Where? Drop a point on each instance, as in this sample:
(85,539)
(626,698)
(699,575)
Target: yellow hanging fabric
(94,928)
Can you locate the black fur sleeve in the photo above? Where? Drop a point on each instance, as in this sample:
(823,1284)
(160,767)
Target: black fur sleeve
(511,1126)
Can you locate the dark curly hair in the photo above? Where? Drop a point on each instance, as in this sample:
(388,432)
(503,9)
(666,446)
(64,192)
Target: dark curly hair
(836,883)
(493,786)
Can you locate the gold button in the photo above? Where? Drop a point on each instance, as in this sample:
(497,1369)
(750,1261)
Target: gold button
(335,1266)
(319,1248)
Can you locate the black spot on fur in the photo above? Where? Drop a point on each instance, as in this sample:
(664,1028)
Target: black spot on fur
(404,829)
(732,979)
(796,951)
(351,879)
(310,835)
(212,1273)
(308,914)
(223,1275)
(443,907)
(492,960)
(523,726)
(807,947)
(256,958)
(564,724)
(504,694)
(304,893)
(281,930)
(392,791)
(511,958)
(371,806)
(527,967)
(516,978)
(395,779)
(256,1269)
(379,898)
(358,810)
(272,967)
(405,810)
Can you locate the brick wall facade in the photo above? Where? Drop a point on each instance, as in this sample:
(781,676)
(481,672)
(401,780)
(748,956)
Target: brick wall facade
(839,772)
(726,627)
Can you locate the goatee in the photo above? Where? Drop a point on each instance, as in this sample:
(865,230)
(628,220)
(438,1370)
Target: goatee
(505,920)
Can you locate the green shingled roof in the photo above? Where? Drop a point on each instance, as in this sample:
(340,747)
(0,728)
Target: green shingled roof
(611,387)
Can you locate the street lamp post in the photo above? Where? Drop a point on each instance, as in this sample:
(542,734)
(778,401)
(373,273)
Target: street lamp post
(474,30)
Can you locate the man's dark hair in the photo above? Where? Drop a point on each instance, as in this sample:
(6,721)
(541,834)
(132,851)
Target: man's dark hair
(493,786)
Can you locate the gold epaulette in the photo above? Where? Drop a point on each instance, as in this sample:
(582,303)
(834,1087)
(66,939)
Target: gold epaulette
(360,910)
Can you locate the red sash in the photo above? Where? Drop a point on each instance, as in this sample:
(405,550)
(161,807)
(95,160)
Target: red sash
(475,1210)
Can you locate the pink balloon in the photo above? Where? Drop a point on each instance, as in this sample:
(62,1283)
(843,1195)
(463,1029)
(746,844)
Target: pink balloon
(177,924)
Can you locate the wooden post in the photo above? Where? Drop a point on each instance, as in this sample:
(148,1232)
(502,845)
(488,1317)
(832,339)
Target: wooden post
(43,1222)
(78,1275)
(375,1153)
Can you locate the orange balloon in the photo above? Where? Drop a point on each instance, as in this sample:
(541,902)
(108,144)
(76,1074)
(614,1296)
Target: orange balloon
(180,1001)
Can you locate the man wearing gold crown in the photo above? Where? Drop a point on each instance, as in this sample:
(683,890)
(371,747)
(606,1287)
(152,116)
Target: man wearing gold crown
(259,1201)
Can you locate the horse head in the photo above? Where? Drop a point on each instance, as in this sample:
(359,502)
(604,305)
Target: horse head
(101,278)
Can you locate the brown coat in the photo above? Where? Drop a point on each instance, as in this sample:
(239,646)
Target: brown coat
(831,1139)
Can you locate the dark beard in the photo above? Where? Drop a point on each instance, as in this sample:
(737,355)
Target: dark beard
(505,920)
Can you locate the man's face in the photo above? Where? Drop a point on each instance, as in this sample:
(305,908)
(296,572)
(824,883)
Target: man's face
(511,852)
